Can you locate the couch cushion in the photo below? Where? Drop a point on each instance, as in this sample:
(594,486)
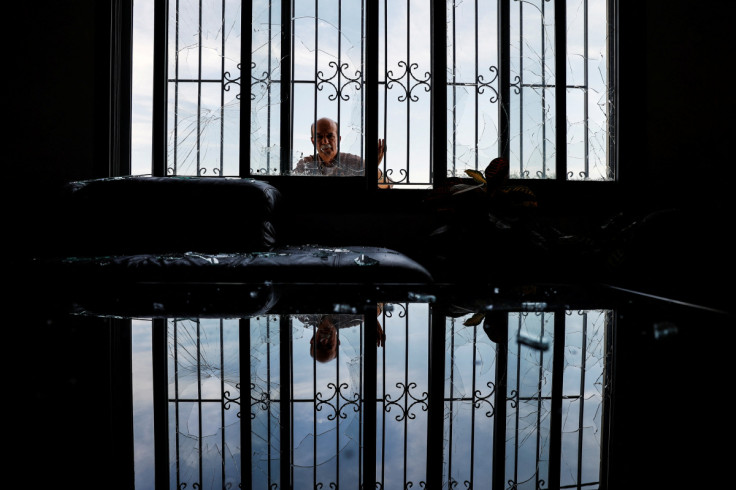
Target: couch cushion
(133,215)
(307,264)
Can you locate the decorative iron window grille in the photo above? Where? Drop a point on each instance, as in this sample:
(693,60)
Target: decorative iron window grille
(374,68)
(521,403)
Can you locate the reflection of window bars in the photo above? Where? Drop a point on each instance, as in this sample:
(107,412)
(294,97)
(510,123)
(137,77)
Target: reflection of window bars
(306,417)
(204,406)
(508,93)
(521,404)
(403,386)
(513,421)
(469,397)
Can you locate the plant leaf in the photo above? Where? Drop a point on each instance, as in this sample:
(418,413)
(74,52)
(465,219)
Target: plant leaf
(476,175)
(474,320)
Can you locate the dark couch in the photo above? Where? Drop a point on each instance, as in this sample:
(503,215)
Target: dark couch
(200,230)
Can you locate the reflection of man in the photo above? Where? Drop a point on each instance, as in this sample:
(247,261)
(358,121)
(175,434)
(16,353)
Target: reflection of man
(327,161)
(324,343)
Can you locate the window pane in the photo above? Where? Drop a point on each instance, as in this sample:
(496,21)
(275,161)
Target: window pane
(405,82)
(532,107)
(588,89)
(326,81)
(203,67)
(142,100)
(320,73)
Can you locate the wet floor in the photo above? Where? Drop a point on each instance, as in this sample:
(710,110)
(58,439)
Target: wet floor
(261,387)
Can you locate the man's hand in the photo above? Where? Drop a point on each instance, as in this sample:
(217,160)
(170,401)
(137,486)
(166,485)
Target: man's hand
(380,336)
(381,179)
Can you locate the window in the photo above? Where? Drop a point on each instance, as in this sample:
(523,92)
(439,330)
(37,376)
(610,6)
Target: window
(505,92)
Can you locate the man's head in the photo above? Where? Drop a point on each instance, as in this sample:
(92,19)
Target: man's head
(323,345)
(325,138)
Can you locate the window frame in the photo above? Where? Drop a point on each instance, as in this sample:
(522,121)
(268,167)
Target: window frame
(121,44)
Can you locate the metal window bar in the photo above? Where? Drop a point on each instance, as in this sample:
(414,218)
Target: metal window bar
(265,403)
(246,414)
(586,94)
(121,399)
(607,382)
(179,153)
(159,151)
(558,365)
(119,162)
(611,89)
(501,406)
(581,411)
(173,170)
(450,481)
(504,81)
(560,10)
(435,398)
(286,409)
(287,90)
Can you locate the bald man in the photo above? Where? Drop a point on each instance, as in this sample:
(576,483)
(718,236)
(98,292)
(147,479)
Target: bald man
(327,161)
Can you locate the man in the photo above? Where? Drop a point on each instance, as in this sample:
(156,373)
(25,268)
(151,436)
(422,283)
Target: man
(324,342)
(326,138)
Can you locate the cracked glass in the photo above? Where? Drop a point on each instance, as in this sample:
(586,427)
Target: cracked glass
(533,104)
(319,73)
(260,387)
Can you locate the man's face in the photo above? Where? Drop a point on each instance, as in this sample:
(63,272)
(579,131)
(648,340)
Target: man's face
(326,139)
(323,344)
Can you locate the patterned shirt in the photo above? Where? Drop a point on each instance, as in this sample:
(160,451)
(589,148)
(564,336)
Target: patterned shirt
(346,164)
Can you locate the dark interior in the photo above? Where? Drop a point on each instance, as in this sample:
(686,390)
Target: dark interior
(666,220)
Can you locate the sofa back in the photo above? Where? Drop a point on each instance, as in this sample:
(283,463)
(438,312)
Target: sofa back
(131,215)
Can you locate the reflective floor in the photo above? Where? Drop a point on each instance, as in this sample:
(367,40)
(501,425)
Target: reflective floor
(267,387)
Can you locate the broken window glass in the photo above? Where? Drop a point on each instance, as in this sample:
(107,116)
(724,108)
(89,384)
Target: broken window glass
(320,72)
(301,417)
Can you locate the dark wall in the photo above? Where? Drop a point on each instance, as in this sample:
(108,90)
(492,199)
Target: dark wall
(58,113)
(60,96)
(689,111)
